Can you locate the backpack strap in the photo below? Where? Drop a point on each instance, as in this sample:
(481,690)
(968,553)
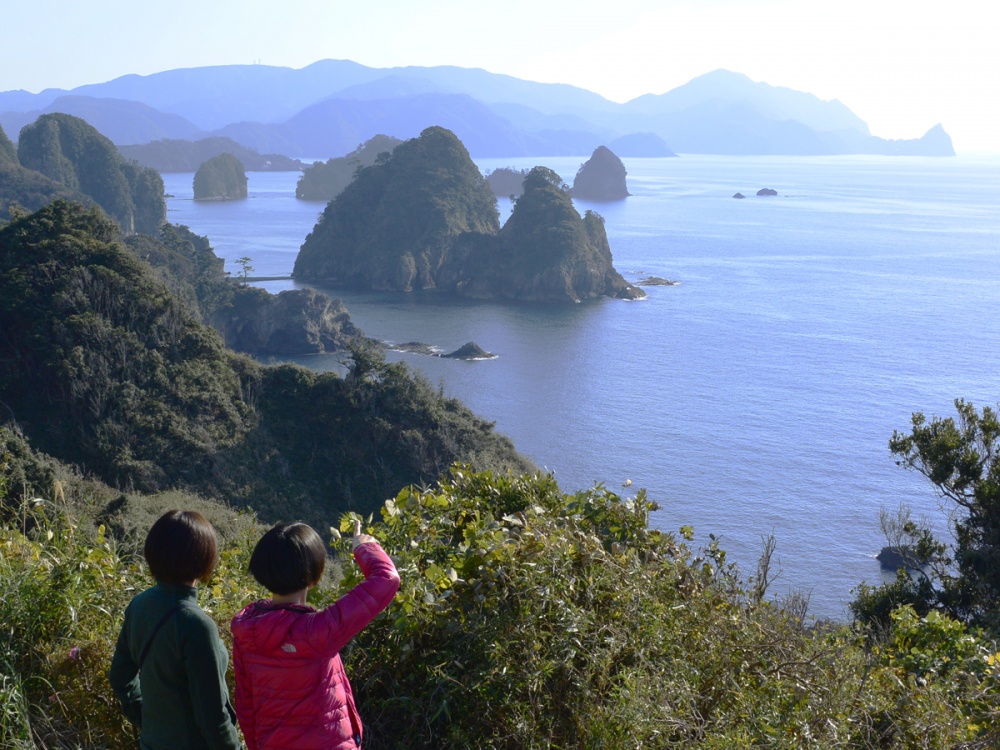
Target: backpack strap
(163,621)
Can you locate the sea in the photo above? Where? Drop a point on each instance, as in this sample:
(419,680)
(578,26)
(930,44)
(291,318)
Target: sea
(756,396)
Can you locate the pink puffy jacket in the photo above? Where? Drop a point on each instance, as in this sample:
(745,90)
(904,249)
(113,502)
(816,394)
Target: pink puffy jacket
(291,688)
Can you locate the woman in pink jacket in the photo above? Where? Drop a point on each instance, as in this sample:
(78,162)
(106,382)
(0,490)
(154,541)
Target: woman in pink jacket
(291,688)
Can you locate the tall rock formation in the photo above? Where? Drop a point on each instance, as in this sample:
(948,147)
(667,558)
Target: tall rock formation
(601,177)
(394,226)
(72,153)
(425,218)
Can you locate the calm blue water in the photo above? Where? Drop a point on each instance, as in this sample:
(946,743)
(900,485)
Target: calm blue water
(757,396)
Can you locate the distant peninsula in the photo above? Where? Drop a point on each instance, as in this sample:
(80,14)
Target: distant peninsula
(175,155)
(425,218)
(324,181)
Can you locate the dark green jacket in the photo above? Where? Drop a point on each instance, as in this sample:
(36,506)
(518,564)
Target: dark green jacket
(180,700)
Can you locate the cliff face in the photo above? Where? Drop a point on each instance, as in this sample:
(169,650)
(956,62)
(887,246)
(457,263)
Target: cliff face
(601,177)
(72,153)
(299,321)
(424,218)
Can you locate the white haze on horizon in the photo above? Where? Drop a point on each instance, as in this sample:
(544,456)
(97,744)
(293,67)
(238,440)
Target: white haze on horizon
(900,66)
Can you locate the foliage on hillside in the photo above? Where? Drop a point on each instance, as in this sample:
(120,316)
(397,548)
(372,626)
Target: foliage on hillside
(25,190)
(527,618)
(8,153)
(324,181)
(506,181)
(104,367)
(173,155)
(425,218)
(72,153)
(220,178)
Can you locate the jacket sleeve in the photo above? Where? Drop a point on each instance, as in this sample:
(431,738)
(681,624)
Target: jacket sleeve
(244,699)
(124,677)
(205,664)
(349,615)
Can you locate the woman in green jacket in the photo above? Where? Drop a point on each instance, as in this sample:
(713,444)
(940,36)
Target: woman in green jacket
(169,667)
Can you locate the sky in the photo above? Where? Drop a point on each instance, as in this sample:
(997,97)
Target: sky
(902,66)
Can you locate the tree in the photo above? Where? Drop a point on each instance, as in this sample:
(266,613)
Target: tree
(961,458)
(245,264)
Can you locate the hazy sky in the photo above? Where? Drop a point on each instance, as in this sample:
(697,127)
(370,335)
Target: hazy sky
(901,65)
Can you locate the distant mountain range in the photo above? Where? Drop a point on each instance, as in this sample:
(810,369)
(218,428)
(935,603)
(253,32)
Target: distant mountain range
(326,109)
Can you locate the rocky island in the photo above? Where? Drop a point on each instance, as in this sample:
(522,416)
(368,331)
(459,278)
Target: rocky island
(425,218)
(221,178)
(601,177)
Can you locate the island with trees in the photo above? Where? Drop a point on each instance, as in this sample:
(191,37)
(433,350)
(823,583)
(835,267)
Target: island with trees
(221,178)
(324,181)
(425,218)
(601,177)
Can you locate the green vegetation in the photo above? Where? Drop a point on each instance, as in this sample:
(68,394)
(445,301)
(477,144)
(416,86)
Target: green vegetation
(962,460)
(73,154)
(220,178)
(104,367)
(425,218)
(527,618)
(394,226)
(8,154)
(172,155)
(506,181)
(324,181)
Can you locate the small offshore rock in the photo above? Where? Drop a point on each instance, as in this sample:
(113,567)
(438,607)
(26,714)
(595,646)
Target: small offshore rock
(894,558)
(656,281)
(739,195)
(471,350)
(767,191)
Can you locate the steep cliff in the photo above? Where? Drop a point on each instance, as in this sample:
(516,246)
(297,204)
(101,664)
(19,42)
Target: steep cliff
(601,177)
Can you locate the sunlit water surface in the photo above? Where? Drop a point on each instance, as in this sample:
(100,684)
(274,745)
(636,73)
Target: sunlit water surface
(759,394)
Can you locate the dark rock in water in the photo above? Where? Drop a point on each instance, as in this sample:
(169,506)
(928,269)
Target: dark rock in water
(472,350)
(767,191)
(414,347)
(601,178)
(656,281)
(298,321)
(894,558)
(739,195)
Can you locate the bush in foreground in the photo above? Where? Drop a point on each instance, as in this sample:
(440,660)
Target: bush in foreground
(527,618)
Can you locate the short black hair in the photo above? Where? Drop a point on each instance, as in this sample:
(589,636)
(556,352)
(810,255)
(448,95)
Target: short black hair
(288,558)
(180,547)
